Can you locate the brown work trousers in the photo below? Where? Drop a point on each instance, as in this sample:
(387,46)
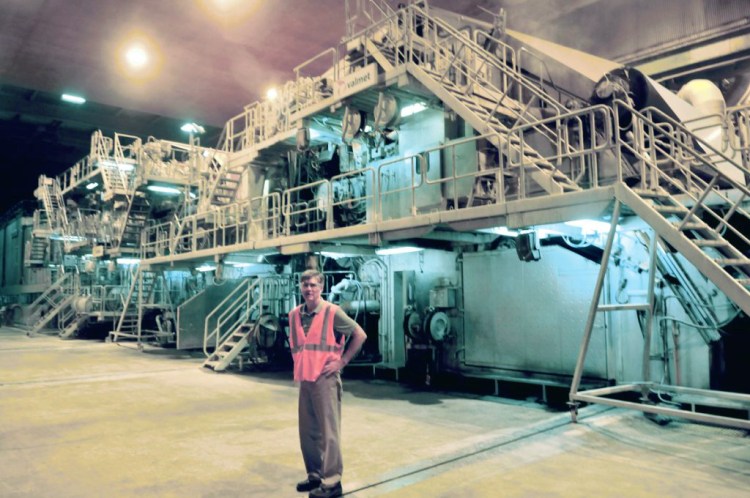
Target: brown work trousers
(320,428)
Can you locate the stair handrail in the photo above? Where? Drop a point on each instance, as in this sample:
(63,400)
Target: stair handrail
(53,203)
(378,7)
(706,188)
(484,56)
(59,284)
(213,177)
(464,67)
(127,177)
(126,301)
(661,119)
(233,303)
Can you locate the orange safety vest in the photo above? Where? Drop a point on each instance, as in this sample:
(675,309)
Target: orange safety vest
(312,352)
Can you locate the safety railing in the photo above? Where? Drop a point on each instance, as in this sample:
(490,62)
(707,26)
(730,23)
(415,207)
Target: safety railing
(573,145)
(658,139)
(398,188)
(304,209)
(72,177)
(262,120)
(231,312)
(576,143)
(107,299)
(175,162)
(461,188)
(237,223)
(360,13)
(390,183)
(349,194)
(458,56)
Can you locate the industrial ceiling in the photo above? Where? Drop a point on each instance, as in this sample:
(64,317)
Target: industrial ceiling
(210,58)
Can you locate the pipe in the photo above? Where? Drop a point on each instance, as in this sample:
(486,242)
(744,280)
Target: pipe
(675,338)
(705,96)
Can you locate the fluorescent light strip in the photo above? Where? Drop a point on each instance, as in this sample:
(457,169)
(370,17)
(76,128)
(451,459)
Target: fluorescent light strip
(163,190)
(128,261)
(389,251)
(73,99)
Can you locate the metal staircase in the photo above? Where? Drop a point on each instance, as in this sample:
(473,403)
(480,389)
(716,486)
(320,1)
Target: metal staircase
(237,319)
(680,198)
(36,251)
(73,325)
(135,220)
(118,170)
(116,179)
(139,295)
(52,302)
(488,91)
(54,205)
(223,180)
(689,194)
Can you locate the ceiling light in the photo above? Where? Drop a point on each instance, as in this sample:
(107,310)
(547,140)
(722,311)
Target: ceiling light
(206,267)
(412,109)
(389,251)
(590,227)
(73,99)
(92,186)
(163,190)
(67,238)
(118,165)
(136,56)
(128,261)
(192,128)
(272,94)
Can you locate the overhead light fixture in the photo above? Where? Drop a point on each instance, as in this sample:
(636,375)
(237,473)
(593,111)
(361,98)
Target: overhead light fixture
(67,238)
(192,128)
(137,56)
(118,165)
(504,231)
(92,186)
(412,109)
(272,94)
(241,265)
(164,190)
(73,99)
(590,227)
(206,267)
(390,251)
(128,261)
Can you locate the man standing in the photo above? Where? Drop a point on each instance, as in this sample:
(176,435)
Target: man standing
(317,336)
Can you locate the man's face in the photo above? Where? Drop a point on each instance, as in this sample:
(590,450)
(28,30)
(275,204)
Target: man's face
(311,290)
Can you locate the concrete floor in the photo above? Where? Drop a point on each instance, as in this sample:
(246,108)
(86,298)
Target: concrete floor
(89,419)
